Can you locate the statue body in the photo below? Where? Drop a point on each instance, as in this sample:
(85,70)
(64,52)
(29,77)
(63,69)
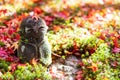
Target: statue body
(34,42)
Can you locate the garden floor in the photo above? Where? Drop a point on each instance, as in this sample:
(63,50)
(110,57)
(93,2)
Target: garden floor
(84,36)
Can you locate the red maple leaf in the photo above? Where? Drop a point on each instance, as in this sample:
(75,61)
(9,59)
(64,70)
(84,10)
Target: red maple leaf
(13,67)
(37,10)
(3,54)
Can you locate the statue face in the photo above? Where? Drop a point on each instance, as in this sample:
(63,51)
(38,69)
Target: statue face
(31,26)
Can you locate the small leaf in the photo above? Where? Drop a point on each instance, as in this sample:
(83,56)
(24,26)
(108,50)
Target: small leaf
(15,45)
(56,28)
(94,67)
(3,53)
(116,50)
(13,67)
(105,78)
(34,61)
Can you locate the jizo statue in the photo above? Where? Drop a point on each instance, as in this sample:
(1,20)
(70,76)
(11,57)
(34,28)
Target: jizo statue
(34,42)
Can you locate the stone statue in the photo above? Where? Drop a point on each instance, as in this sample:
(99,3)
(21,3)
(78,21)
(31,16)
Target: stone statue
(33,42)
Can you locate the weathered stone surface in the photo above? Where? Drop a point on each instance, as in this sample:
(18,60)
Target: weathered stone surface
(34,42)
(65,71)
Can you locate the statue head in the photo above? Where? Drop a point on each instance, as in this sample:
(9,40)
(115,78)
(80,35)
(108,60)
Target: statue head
(33,26)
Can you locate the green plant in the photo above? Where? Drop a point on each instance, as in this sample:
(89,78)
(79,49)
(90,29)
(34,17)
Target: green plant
(7,76)
(101,64)
(1,44)
(27,72)
(101,54)
(4,66)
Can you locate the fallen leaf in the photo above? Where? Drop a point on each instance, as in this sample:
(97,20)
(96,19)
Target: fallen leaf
(116,50)
(114,64)
(94,67)
(14,45)
(13,67)
(56,28)
(105,78)
(34,61)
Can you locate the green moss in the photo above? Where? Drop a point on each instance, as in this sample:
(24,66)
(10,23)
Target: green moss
(4,66)
(2,44)
(27,72)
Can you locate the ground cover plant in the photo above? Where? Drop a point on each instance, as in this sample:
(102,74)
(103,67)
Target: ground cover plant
(90,31)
